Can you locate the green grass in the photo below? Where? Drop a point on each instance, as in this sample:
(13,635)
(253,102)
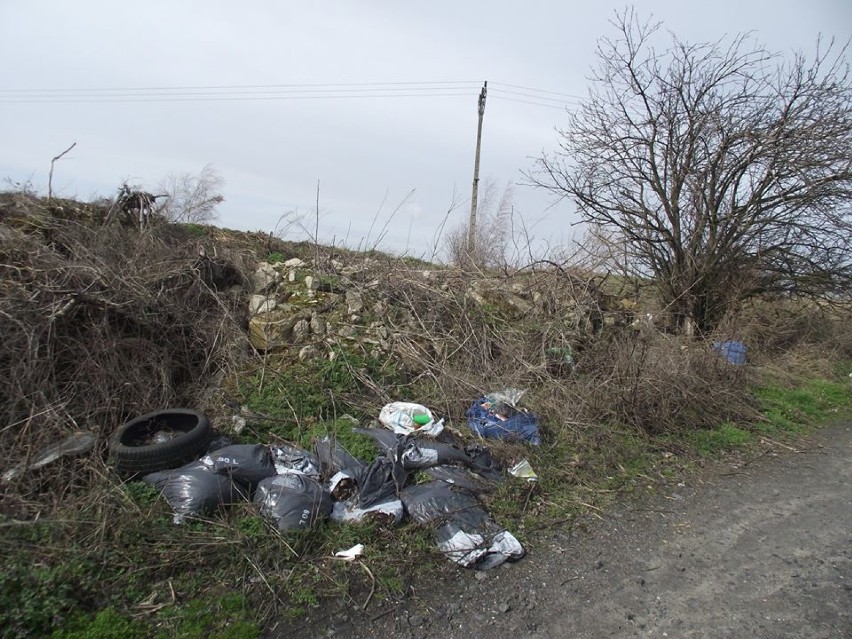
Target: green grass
(107,624)
(711,442)
(224,617)
(792,409)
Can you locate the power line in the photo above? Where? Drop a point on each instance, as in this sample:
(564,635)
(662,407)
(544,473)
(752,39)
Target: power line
(304,85)
(539,98)
(562,108)
(516,86)
(285,92)
(208,98)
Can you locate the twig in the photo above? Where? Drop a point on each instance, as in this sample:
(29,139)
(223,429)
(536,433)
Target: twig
(384,613)
(372,586)
(766,440)
(529,494)
(50,175)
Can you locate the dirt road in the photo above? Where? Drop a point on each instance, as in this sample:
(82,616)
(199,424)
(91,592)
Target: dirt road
(756,550)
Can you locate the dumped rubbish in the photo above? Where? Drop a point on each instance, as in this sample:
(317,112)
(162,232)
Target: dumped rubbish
(297,490)
(160,440)
(406,418)
(368,492)
(464,531)
(247,464)
(523,470)
(333,458)
(463,478)
(414,453)
(289,459)
(351,554)
(734,352)
(497,415)
(75,444)
(195,490)
(294,501)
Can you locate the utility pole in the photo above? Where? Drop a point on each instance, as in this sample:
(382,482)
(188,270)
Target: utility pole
(471,236)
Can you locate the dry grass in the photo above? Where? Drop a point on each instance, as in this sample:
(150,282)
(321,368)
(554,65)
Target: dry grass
(100,323)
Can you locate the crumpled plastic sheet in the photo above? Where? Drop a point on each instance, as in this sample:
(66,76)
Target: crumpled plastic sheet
(464,531)
(402,418)
(294,501)
(290,459)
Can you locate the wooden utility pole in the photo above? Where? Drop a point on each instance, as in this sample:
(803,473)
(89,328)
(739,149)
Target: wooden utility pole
(471,231)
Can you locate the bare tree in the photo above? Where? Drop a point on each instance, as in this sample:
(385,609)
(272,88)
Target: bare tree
(723,171)
(192,198)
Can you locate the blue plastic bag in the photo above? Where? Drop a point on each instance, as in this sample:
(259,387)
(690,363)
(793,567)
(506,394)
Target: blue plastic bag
(502,420)
(734,352)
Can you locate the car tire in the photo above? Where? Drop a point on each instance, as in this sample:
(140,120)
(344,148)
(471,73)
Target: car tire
(133,453)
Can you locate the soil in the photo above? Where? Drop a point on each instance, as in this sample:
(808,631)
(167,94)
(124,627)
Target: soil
(758,547)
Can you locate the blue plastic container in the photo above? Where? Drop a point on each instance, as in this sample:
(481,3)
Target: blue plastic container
(734,352)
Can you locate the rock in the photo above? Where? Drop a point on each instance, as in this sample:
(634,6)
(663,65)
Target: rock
(504,607)
(336,265)
(300,331)
(318,325)
(270,330)
(476,297)
(291,276)
(264,278)
(294,262)
(308,352)
(354,302)
(261,304)
(520,304)
(347,332)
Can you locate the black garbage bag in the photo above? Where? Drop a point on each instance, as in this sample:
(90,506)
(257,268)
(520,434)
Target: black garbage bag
(415,453)
(288,459)
(195,489)
(463,478)
(377,483)
(245,463)
(483,463)
(464,531)
(372,492)
(294,501)
(332,458)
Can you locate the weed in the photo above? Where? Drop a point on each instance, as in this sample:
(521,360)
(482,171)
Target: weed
(710,442)
(790,409)
(107,624)
(195,230)
(142,494)
(222,617)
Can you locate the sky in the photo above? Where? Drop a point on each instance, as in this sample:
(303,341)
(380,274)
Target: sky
(374,101)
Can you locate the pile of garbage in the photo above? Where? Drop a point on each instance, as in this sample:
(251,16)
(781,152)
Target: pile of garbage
(297,489)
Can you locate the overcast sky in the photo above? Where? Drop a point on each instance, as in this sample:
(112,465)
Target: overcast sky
(392,107)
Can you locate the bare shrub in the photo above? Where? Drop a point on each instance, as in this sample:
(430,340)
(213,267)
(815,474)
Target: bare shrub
(192,198)
(100,324)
